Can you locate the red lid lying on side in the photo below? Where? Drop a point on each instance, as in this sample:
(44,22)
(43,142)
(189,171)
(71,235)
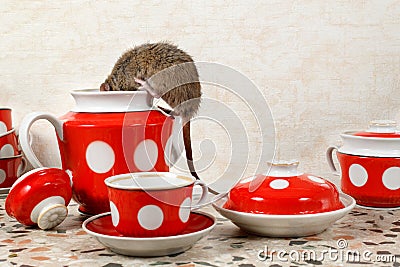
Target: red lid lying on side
(40,197)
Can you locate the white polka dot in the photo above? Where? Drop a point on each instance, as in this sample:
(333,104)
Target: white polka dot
(150,217)
(2,176)
(358,175)
(114,214)
(279,184)
(391,178)
(7,151)
(184,210)
(316,179)
(100,157)
(146,154)
(3,127)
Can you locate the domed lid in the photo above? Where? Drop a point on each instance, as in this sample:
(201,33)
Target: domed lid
(380,128)
(40,197)
(285,191)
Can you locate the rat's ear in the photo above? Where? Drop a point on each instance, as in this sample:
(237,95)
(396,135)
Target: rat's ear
(104,87)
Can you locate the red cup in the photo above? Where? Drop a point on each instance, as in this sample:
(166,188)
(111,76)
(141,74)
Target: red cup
(8,144)
(5,120)
(151,204)
(10,169)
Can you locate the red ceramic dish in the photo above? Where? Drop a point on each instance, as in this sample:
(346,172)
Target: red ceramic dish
(40,197)
(285,192)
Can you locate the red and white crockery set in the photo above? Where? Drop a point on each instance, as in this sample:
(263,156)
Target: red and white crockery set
(116,152)
(370,164)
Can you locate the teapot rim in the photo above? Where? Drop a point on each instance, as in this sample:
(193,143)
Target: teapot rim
(91,91)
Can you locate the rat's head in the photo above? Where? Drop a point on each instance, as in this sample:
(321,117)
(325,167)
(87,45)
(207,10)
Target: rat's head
(110,84)
(117,82)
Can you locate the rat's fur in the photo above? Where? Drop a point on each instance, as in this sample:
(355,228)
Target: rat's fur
(170,73)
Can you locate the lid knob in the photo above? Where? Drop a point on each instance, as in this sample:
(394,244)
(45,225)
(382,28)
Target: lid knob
(382,126)
(283,168)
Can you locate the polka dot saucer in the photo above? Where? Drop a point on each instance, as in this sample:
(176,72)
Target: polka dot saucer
(39,197)
(101,227)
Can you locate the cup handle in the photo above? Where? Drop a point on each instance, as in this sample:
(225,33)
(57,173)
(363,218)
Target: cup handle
(203,198)
(24,139)
(329,158)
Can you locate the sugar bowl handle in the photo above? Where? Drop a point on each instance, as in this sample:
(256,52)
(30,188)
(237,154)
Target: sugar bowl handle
(329,158)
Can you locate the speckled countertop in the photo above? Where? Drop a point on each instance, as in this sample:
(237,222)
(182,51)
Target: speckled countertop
(366,231)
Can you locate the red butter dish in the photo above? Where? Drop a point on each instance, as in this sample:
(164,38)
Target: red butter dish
(40,197)
(284,191)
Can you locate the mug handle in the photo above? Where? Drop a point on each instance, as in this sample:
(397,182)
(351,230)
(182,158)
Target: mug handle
(203,198)
(22,167)
(24,134)
(329,158)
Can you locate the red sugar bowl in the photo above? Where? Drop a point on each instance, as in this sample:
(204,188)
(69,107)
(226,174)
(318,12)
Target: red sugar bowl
(370,164)
(284,191)
(40,197)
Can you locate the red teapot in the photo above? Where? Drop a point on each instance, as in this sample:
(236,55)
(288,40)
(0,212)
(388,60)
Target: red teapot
(107,133)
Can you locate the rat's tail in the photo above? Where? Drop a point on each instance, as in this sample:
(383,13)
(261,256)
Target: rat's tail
(189,155)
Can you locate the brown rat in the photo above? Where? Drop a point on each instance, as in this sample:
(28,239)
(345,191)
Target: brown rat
(164,71)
